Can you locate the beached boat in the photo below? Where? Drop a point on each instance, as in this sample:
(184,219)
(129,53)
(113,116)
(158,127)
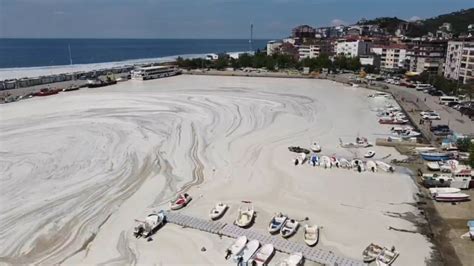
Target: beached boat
(385,166)
(262,256)
(298,149)
(449,166)
(289,228)
(435,156)
(311,235)
(151,223)
(369,154)
(344,163)
(360,142)
(237,247)
(392,121)
(470,224)
(451,197)
(334,161)
(301,158)
(387,257)
(433,166)
(358,165)
(245,216)
(250,248)
(425,149)
(325,162)
(72,88)
(314,159)
(371,252)
(218,211)
(180,201)
(295,259)
(46,92)
(277,223)
(443,190)
(315,147)
(371,166)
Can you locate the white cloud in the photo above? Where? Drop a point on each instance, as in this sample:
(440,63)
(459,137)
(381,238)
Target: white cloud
(414,18)
(337,22)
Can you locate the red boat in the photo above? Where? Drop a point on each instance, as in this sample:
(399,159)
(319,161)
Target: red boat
(393,121)
(46,92)
(180,201)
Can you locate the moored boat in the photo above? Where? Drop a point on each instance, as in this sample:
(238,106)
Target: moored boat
(371,252)
(237,247)
(151,223)
(289,228)
(218,211)
(311,235)
(263,255)
(277,223)
(46,92)
(387,257)
(245,216)
(295,259)
(180,201)
(451,197)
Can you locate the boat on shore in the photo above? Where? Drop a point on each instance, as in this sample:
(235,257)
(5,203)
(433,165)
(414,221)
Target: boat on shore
(315,147)
(295,259)
(236,248)
(289,228)
(311,235)
(387,257)
(435,156)
(369,154)
(245,216)
(360,142)
(470,224)
(262,256)
(277,223)
(180,201)
(250,248)
(433,166)
(371,252)
(46,92)
(385,166)
(218,211)
(443,190)
(451,197)
(149,226)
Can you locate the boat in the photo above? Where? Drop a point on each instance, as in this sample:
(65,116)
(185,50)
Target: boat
(385,166)
(470,224)
(449,166)
(298,149)
(277,223)
(289,228)
(425,149)
(371,252)
(311,235)
(101,83)
(151,223)
(154,72)
(443,190)
(451,197)
(218,211)
(334,161)
(433,166)
(250,248)
(263,255)
(301,158)
(371,166)
(407,134)
(360,142)
(358,165)
(325,162)
(46,92)
(314,159)
(435,156)
(72,88)
(180,201)
(245,216)
(237,247)
(387,257)
(315,147)
(344,163)
(401,129)
(392,121)
(295,259)
(369,154)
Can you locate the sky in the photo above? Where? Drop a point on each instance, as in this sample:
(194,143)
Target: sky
(198,18)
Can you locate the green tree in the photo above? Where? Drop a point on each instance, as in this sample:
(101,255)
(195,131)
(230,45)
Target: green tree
(471,156)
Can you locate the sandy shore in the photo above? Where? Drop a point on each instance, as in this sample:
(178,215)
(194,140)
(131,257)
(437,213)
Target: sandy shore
(79,167)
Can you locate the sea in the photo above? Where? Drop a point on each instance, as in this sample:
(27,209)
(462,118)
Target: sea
(23,53)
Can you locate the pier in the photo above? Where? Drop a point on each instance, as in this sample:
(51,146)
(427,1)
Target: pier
(286,246)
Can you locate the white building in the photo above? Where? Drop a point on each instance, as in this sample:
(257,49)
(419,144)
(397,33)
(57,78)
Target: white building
(314,50)
(466,71)
(352,48)
(273,47)
(459,64)
(392,57)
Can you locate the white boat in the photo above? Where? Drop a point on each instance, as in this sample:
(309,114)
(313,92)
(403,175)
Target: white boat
(369,154)
(237,247)
(245,216)
(451,197)
(371,252)
(344,163)
(218,211)
(289,228)
(180,201)
(325,162)
(248,251)
(360,142)
(386,257)
(335,162)
(300,158)
(443,190)
(449,166)
(433,166)
(385,166)
(311,235)
(295,259)
(425,149)
(315,147)
(150,225)
(277,223)
(263,255)
(358,165)
(371,166)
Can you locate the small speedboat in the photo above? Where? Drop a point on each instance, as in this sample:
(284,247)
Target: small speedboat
(435,156)
(433,166)
(300,158)
(250,248)
(245,216)
(451,197)
(289,228)
(325,162)
(295,259)
(263,255)
(369,154)
(314,160)
(371,252)
(385,166)
(360,142)
(311,235)
(443,190)
(315,147)
(237,247)
(180,201)
(150,225)
(371,166)
(277,223)
(218,211)
(358,165)
(386,257)
(344,163)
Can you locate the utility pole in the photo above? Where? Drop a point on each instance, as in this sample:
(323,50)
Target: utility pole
(251,38)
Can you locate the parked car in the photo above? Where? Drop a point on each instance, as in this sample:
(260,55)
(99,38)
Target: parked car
(442,132)
(427,112)
(432,116)
(435,93)
(439,127)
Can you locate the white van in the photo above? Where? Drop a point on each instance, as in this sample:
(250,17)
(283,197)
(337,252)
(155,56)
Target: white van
(448,99)
(422,87)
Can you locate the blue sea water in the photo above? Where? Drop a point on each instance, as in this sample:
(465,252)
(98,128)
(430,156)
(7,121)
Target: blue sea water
(55,52)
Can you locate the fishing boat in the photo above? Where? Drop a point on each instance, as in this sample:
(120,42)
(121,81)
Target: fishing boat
(295,259)
(289,228)
(218,211)
(315,147)
(180,201)
(433,166)
(311,235)
(360,142)
(435,156)
(385,166)
(46,92)
(371,166)
(237,247)
(443,190)
(392,121)
(263,255)
(451,197)
(425,149)
(449,166)
(151,223)
(245,216)
(325,162)
(387,257)
(369,154)
(72,88)
(277,223)
(371,252)
(250,248)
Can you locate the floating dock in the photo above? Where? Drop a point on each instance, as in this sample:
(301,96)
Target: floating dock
(220,228)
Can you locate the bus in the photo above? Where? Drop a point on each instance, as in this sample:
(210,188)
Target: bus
(154,72)
(448,99)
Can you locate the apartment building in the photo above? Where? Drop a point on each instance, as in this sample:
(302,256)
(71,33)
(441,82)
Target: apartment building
(466,69)
(426,56)
(314,50)
(392,57)
(352,47)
